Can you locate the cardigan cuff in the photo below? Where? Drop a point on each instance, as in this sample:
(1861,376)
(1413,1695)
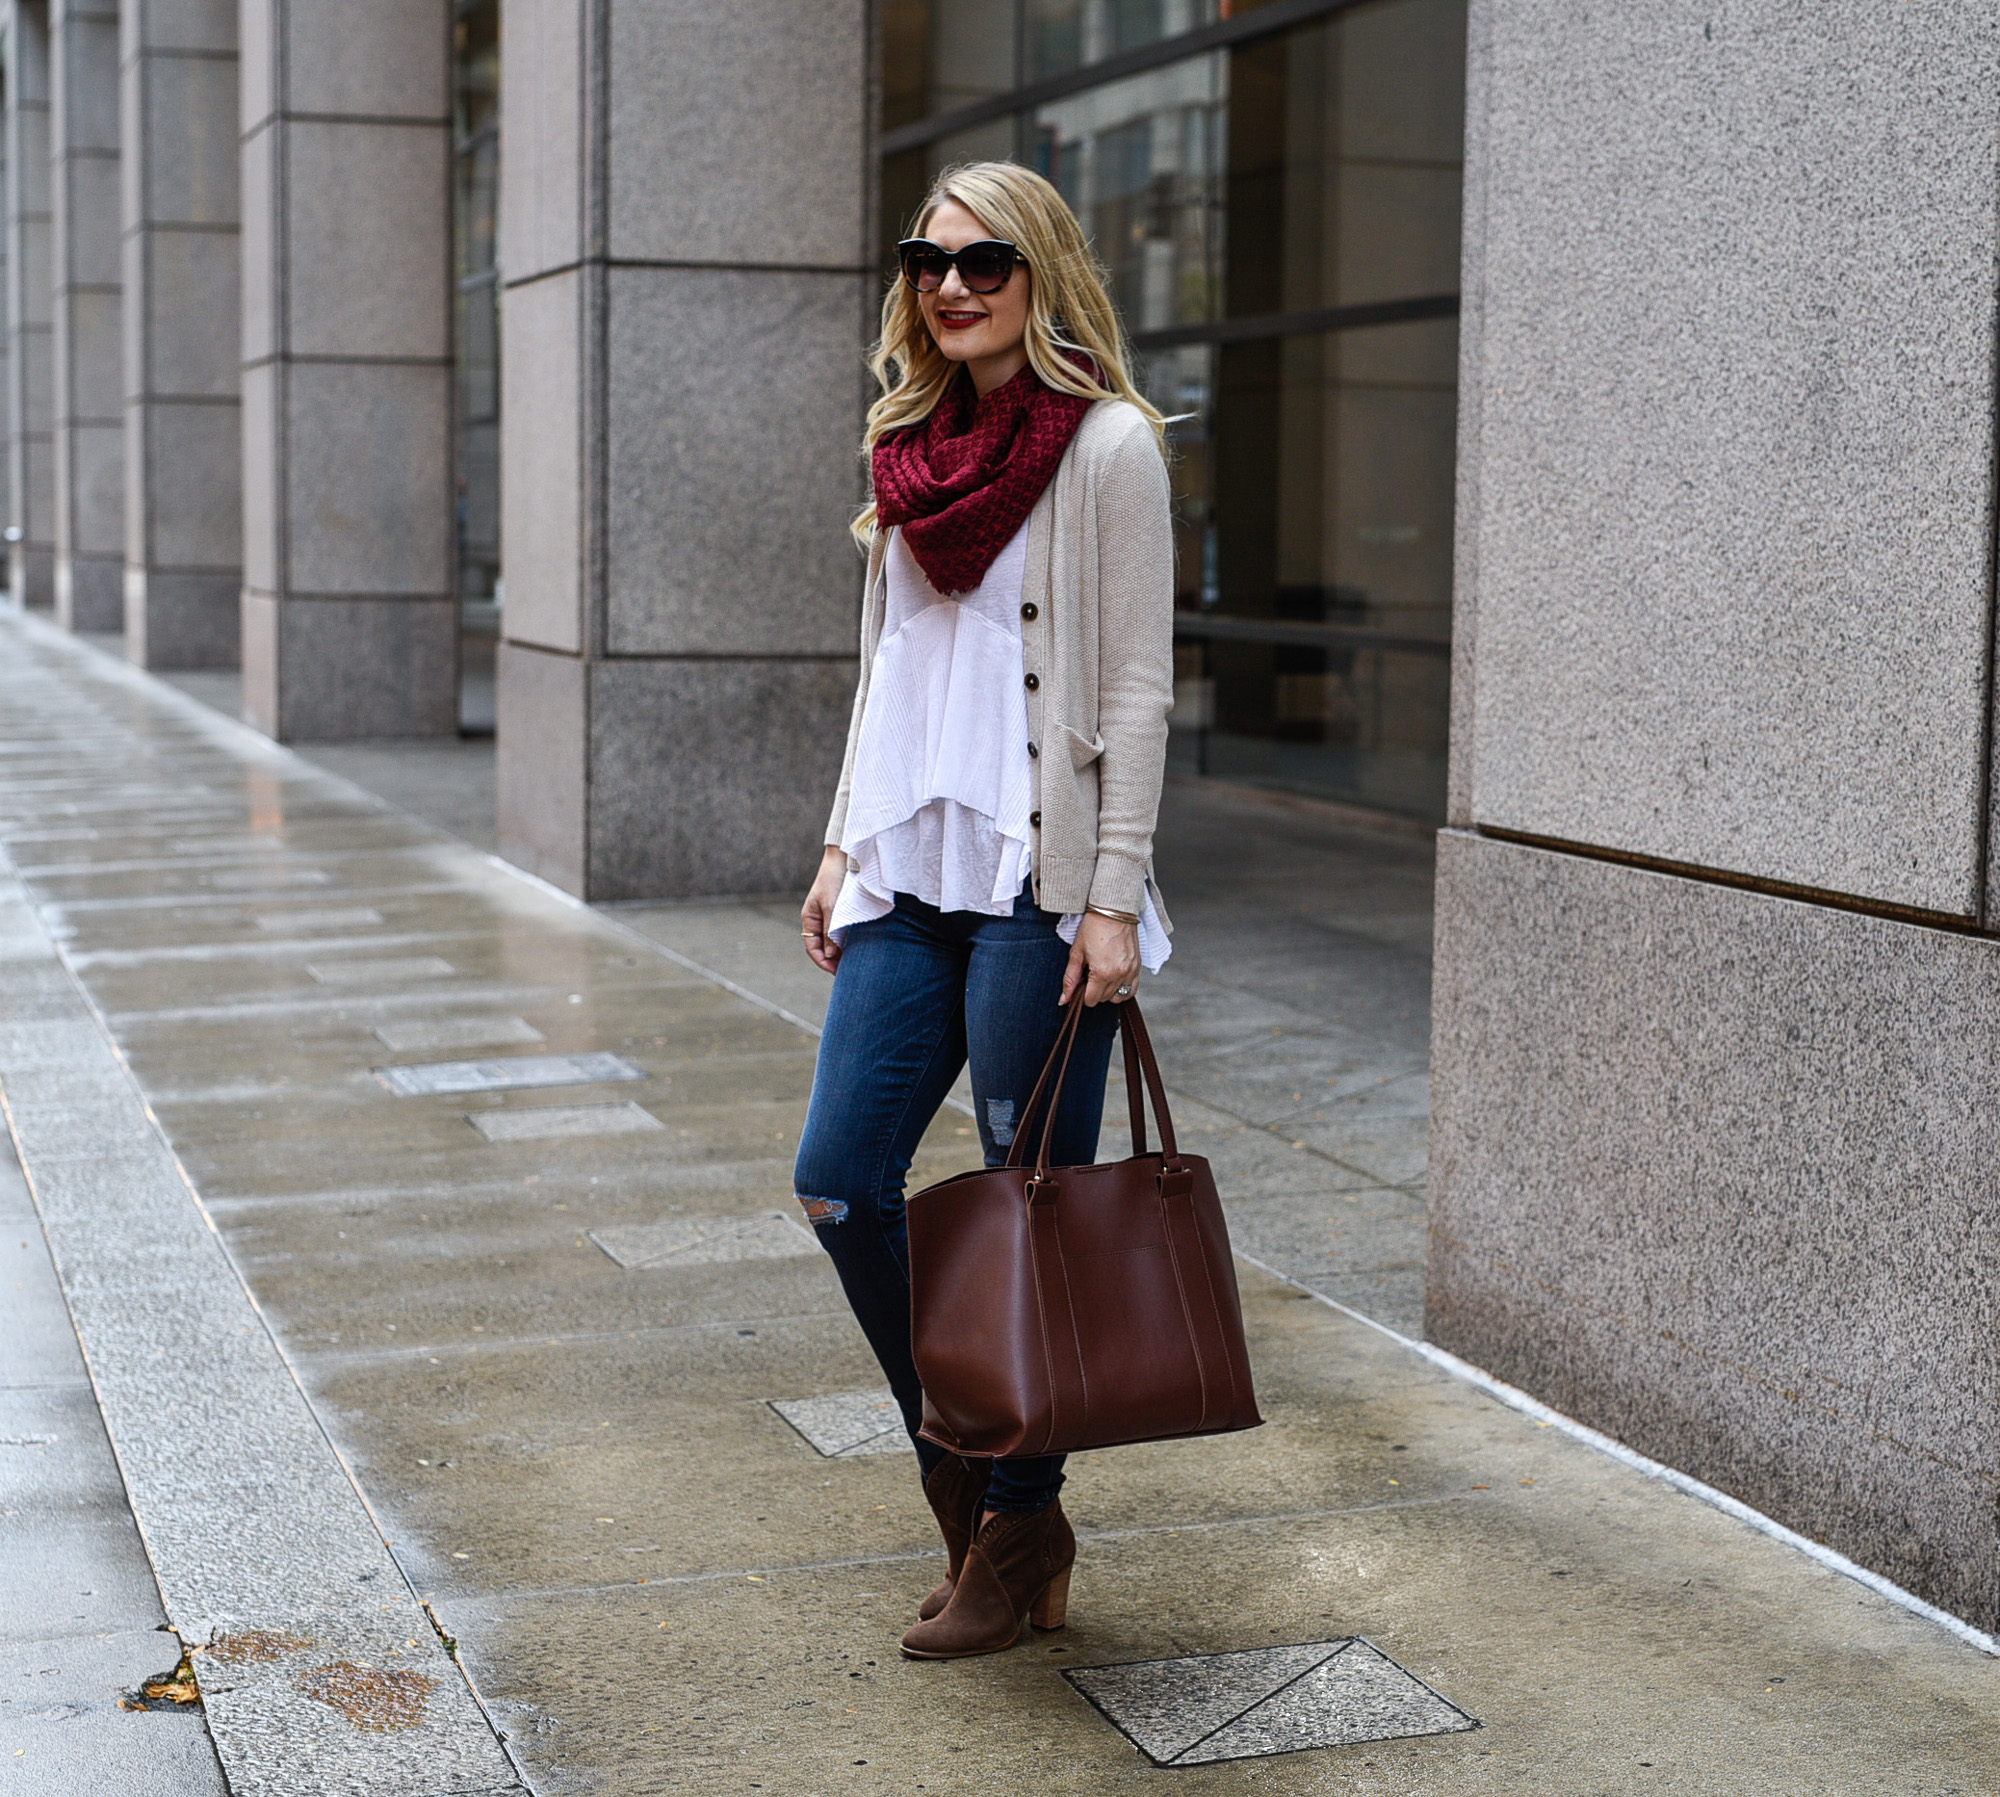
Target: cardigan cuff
(1118,883)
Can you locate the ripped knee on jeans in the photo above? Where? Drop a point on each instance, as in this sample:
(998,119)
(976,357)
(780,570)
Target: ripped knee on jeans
(823,1210)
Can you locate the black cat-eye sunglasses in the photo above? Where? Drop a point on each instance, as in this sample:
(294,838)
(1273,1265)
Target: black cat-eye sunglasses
(985,266)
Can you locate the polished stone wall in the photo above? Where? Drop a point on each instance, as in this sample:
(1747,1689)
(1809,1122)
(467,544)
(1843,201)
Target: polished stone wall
(31,515)
(183,334)
(1714,1171)
(1711,1159)
(350,619)
(7,502)
(688,284)
(1734,436)
(88,397)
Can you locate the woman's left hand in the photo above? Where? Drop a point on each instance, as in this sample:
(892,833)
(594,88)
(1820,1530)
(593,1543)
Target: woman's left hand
(1104,958)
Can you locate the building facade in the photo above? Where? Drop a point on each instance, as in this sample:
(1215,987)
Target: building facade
(1714,1125)
(1584,439)
(1274,191)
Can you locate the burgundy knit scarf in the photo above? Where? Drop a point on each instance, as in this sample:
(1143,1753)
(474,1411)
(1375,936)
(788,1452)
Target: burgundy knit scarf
(964,481)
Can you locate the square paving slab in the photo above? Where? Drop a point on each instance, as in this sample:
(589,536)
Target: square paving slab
(382,973)
(546,1122)
(705,1241)
(418,1034)
(848,1425)
(1235,1706)
(516,1073)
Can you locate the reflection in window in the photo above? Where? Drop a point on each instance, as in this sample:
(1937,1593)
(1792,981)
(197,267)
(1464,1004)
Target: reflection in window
(1141,161)
(476,191)
(1068,34)
(1243,200)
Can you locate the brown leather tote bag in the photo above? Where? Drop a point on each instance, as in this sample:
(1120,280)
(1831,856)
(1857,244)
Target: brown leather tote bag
(1057,1308)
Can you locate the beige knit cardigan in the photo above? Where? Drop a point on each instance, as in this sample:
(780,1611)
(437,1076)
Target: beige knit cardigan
(1098,659)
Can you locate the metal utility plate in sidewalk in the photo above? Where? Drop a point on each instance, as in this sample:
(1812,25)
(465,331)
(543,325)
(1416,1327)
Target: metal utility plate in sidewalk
(705,1241)
(413,1034)
(849,1424)
(1266,1700)
(550,1122)
(370,973)
(513,1073)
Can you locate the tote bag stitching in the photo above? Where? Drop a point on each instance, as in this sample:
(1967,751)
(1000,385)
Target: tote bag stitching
(1076,1340)
(1215,1310)
(1042,1318)
(1180,1290)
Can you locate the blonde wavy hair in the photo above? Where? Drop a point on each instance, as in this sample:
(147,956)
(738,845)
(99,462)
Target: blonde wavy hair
(1068,308)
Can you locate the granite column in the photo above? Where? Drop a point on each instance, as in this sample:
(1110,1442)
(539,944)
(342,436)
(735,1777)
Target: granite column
(88,397)
(31,515)
(687,282)
(350,620)
(182,280)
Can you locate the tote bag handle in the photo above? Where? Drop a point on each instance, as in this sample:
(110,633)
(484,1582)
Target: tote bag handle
(1140,1066)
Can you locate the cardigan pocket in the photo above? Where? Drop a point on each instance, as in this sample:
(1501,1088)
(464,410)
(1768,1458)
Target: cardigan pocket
(1083,750)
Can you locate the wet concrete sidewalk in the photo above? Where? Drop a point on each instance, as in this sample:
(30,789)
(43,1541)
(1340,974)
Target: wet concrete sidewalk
(542,1307)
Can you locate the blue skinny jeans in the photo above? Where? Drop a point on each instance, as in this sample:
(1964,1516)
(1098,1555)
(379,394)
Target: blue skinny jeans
(918,994)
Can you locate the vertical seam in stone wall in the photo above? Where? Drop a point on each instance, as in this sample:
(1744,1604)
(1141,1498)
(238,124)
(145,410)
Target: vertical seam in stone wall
(593,415)
(278,234)
(447,242)
(138,438)
(59,336)
(872,38)
(1982,871)
(1462,738)
(867,302)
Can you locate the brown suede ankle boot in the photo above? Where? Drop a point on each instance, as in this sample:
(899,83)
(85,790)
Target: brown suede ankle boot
(955,1488)
(1016,1570)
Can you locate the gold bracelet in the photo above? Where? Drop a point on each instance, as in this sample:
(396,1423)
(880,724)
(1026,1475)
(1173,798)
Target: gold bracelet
(1115,916)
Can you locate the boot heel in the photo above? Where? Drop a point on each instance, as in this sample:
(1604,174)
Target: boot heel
(1051,1609)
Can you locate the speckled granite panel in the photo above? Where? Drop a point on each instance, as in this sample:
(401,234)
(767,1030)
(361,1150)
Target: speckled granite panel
(1735,435)
(1713,1171)
(711,775)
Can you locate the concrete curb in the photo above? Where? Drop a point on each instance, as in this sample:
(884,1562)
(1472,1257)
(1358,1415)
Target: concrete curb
(320,1670)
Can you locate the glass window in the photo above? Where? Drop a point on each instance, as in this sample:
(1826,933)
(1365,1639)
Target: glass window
(942,54)
(1061,35)
(1245,201)
(939,55)
(1142,163)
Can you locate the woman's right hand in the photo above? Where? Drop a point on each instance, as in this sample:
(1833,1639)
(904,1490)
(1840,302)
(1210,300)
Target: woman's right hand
(817,912)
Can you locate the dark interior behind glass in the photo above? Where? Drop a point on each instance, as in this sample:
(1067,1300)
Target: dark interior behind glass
(1246,201)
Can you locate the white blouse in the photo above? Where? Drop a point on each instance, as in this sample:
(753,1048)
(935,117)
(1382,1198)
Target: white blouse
(942,778)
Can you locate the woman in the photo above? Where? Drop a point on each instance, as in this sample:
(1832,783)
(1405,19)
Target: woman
(989,855)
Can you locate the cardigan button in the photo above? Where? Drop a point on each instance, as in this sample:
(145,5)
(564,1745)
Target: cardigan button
(1031,610)
(1033,751)
(1031,681)
(1035,820)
